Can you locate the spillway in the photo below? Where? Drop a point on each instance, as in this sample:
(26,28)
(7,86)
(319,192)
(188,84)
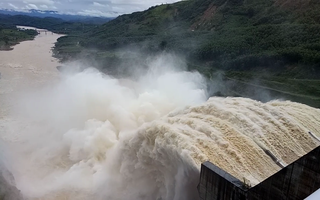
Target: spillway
(296,181)
(236,135)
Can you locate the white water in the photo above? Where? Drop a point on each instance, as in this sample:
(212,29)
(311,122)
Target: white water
(89,136)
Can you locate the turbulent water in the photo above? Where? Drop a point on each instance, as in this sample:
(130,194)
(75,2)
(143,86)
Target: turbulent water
(87,135)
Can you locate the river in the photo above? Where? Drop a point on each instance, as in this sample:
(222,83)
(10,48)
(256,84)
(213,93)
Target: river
(28,66)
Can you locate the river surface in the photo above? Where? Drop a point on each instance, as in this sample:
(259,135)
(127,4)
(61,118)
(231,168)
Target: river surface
(28,66)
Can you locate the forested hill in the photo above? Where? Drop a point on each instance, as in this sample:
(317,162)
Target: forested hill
(210,15)
(225,34)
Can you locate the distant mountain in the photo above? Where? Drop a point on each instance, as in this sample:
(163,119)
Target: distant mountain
(56,14)
(53,24)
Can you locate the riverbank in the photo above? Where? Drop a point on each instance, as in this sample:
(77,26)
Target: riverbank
(11,35)
(27,66)
(30,64)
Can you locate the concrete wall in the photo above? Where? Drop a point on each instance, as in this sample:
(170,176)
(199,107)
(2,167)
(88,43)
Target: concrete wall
(295,182)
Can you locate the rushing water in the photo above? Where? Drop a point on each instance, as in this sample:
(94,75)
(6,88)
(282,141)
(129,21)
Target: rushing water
(87,135)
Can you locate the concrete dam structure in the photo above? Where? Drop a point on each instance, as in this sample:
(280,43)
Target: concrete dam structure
(294,182)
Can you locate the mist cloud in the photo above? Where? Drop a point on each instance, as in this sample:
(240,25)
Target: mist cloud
(74,136)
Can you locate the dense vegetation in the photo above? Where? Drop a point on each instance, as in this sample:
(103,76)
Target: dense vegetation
(10,35)
(217,34)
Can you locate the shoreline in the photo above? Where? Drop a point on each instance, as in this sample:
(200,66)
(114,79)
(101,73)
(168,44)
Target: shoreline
(14,36)
(7,48)
(28,65)
(39,30)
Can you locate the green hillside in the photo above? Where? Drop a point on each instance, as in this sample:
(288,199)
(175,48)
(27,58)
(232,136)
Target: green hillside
(244,39)
(224,34)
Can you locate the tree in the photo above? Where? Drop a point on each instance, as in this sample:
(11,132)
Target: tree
(6,40)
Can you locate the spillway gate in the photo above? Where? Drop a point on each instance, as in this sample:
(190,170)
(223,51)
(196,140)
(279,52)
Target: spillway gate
(294,182)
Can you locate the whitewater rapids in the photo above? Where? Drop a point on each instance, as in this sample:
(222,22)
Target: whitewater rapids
(87,135)
(93,137)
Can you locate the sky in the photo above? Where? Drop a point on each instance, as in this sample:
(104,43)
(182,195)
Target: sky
(105,8)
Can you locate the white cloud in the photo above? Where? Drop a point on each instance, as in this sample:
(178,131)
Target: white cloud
(13,6)
(98,4)
(47,2)
(32,6)
(44,6)
(95,13)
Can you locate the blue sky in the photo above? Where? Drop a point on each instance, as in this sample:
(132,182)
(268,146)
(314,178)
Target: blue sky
(106,8)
